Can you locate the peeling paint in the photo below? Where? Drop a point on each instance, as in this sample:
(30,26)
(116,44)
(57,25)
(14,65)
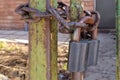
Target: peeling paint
(43,45)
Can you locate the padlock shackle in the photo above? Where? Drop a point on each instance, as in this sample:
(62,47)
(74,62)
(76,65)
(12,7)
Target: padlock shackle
(76,35)
(96,23)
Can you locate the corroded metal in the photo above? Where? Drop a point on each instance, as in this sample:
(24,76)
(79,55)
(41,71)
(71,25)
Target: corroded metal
(78,56)
(78,76)
(90,18)
(33,15)
(77,32)
(43,45)
(118,39)
(93,46)
(82,25)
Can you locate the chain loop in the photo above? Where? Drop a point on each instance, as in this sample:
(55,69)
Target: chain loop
(90,21)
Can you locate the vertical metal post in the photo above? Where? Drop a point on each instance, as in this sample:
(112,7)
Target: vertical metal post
(75,9)
(118,39)
(43,45)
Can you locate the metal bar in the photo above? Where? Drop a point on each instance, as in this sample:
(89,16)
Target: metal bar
(43,45)
(76,35)
(78,76)
(53,45)
(118,39)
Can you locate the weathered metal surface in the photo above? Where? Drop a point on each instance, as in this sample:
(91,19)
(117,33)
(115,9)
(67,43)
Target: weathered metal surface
(78,76)
(74,5)
(45,15)
(76,10)
(53,40)
(118,39)
(30,14)
(43,52)
(82,54)
(78,56)
(93,46)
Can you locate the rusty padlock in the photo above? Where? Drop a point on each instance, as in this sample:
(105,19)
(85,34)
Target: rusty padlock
(93,46)
(77,53)
(82,54)
(94,43)
(77,56)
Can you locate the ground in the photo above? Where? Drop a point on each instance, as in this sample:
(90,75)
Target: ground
(106,65)
(14,59)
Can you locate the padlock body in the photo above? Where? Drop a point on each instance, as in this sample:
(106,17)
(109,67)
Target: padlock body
(82,55)
(77,56)
(93,46)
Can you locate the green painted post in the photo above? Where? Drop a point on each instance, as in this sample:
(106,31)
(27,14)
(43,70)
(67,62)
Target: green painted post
(75,9)
(43,45)
(118,39)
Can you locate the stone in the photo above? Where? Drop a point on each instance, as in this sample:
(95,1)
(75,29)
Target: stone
(3,77)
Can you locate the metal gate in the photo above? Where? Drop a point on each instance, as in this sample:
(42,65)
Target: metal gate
(106,8)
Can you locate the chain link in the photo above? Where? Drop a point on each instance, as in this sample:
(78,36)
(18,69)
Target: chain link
(90,21)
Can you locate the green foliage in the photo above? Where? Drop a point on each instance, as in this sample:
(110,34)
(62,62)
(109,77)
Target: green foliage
(8,47)
(65,66)
(2,45)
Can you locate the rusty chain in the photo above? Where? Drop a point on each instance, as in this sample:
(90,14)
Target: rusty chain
(29,15)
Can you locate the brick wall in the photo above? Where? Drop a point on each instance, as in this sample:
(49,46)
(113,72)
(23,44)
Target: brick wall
(8,18)
(88,5)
